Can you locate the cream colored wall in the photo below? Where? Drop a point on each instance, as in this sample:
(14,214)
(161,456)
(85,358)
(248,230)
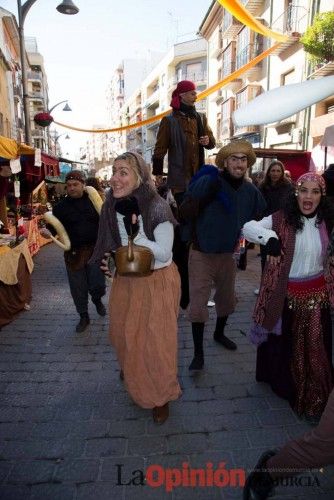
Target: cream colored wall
(4,101)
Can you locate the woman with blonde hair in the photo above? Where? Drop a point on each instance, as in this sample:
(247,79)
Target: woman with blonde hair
(143,310)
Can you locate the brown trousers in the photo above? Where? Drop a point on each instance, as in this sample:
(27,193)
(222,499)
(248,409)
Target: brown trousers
(207,270)
(314,449)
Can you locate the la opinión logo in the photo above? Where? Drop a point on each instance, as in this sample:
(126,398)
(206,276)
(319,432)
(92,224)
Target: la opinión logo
(186,476)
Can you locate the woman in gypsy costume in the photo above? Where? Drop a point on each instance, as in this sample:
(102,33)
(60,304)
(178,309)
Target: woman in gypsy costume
(143,310)
(292,323)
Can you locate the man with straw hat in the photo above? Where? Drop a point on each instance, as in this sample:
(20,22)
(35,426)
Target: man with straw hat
(217,204)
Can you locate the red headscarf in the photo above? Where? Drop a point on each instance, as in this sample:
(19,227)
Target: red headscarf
(183,86)
(312,176)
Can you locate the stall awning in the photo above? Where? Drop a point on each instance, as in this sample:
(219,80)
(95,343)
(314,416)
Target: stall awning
(11,149)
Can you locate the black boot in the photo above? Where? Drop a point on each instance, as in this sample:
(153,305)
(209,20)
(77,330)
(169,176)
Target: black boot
(219,334)
(198,361)
(259,484)
(83,323)
(101,310)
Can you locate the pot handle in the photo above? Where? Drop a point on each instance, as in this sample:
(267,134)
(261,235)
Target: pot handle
(130,255)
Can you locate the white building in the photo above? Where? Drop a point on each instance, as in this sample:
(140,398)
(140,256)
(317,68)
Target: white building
(231,45)
(37,91)
(184,61)
(126,78)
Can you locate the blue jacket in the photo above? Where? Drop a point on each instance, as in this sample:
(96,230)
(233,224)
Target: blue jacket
(221,210)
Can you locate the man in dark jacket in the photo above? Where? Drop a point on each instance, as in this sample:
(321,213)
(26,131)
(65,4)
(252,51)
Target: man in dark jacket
(217,204)
(79,217)
(183,134)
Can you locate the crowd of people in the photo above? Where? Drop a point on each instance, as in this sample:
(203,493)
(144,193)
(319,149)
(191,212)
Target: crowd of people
(191,222)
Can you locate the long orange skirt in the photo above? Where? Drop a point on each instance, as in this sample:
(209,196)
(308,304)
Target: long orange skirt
(143,331)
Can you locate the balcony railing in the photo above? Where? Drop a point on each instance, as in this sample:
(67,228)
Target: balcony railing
(196,77)
(226,128)
(292,20)
(228,68)
(34,75)
(230,25)
(36,95)
(37,133)
(252,5)
(247,54)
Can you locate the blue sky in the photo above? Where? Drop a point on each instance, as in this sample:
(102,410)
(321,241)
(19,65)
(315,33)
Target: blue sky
(81,51)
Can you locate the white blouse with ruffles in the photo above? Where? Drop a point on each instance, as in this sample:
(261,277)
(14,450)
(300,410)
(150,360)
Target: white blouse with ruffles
(161,247)
(307,257)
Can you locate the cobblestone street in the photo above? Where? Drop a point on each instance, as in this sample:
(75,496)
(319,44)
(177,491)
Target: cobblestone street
(66,420)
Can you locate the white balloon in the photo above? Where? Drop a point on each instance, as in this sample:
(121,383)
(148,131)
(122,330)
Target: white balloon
(277,104)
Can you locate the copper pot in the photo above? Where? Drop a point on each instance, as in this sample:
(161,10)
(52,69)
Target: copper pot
(134,260)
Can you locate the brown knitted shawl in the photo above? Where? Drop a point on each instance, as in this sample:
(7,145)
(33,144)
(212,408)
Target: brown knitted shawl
(274,282)
(153,209)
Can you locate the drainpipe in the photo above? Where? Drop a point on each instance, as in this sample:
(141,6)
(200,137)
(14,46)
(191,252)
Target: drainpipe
(314,8)
(265,131)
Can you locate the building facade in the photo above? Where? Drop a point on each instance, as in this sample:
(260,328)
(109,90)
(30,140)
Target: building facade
(184,61)
(38,93)
(11,104)
(231,45)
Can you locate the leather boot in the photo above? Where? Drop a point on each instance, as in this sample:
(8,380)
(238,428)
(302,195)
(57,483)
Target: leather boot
(83,323)
(160,413)
(219,334)
(198,360)
(100,309)
(259,484)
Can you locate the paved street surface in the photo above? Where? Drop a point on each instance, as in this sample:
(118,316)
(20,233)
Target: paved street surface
(66,420)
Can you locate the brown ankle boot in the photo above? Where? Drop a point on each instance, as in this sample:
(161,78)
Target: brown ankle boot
(160,414)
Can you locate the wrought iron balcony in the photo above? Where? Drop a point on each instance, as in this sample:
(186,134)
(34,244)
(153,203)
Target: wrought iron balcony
(231,26)
(247,54)
(293,23)
(252,6)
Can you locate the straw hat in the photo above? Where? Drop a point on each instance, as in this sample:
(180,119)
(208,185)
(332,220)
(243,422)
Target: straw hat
(239,146)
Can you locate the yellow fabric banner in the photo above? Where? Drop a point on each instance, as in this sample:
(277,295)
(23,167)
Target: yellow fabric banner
(11,149)
(241,13)
(200,96)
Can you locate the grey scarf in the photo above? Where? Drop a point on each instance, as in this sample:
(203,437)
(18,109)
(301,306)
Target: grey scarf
(154,210)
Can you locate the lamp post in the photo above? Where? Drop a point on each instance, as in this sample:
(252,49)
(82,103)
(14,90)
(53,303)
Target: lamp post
(65,108)
(66,7)
(56,138)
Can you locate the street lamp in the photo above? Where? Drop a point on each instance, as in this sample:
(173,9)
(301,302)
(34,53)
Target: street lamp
(65,108)
(66,7)
(56,138)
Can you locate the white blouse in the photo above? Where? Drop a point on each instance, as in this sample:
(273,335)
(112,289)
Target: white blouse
(161,247)
(307,257)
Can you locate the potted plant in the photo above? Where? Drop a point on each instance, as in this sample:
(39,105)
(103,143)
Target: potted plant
(318,40)
(43,119)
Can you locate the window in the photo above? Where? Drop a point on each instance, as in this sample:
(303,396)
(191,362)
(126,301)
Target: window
(247,94)
(289,77)
(229,59)
(193,71)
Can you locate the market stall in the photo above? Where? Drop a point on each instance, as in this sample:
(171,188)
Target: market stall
(16,267)
(24,194)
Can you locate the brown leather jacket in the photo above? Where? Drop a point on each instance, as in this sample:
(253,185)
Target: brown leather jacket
(181,143)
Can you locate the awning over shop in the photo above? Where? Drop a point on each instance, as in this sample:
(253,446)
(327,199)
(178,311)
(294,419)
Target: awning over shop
(30,175)
(10,149)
